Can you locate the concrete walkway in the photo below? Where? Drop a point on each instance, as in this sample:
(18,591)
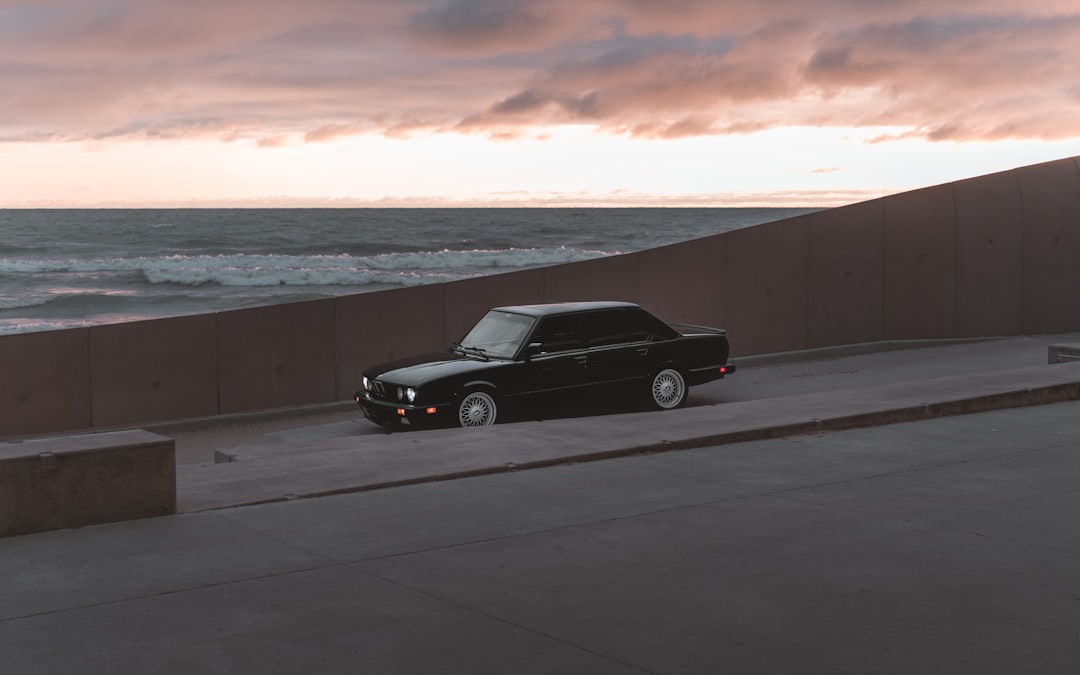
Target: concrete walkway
(348,464)
(941,545)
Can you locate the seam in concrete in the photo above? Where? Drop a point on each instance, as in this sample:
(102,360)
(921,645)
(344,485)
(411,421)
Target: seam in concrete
(1023,250)
(92,412)
(955,257)
(217,361)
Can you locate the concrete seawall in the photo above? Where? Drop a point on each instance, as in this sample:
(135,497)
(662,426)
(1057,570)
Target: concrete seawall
(988,256)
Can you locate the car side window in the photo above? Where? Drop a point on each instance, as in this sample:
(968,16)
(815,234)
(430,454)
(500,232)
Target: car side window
(559,334)
(646,327)
(610,327)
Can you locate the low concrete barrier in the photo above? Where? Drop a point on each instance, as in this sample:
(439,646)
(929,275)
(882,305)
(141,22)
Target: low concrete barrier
(1063,353)
(72,481)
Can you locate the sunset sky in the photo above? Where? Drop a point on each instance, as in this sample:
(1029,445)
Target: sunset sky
(536,102)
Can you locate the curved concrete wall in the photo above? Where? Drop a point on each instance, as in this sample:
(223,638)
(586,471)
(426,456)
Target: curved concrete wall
(990,256)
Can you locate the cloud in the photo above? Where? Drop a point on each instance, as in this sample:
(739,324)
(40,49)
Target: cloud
(268,70)
(487,26)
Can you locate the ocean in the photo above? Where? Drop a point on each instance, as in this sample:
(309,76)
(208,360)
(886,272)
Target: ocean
(65,268)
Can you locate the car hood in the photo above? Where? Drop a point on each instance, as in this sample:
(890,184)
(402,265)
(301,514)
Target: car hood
(419,370)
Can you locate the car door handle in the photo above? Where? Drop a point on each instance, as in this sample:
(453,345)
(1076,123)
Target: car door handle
(642,351)
(582,359)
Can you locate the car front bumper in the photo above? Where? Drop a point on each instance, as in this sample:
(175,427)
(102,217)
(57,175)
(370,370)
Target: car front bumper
(403,415)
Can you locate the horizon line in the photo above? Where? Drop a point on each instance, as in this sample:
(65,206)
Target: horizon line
(802,199)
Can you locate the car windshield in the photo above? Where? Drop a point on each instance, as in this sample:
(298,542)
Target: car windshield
(499,334)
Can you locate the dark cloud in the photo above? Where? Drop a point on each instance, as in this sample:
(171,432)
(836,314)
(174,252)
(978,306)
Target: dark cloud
(316,71)
(486,26)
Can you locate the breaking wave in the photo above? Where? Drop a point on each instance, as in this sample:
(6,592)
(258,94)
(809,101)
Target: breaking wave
(395,269)
(12,302)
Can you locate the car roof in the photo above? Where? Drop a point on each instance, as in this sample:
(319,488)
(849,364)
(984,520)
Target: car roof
(564,307)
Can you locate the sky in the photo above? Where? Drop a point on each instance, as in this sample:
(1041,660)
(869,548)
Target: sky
(526,102)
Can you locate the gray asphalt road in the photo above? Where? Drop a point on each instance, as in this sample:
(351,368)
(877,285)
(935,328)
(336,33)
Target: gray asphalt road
(939,546)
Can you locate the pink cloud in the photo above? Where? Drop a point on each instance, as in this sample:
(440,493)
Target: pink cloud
(323,69)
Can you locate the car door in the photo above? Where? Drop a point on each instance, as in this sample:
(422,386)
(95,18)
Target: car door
(619,348)
(555,365)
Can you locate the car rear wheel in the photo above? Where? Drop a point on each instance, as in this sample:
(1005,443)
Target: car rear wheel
(668,389)
(477,409)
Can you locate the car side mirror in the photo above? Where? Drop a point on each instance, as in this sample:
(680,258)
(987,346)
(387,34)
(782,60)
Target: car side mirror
(534,349)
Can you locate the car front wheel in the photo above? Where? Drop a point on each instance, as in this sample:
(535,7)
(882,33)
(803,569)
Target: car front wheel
(668,389)
(477,409)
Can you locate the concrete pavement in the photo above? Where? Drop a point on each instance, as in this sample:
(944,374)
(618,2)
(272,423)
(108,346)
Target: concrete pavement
(942,545)
(281,460)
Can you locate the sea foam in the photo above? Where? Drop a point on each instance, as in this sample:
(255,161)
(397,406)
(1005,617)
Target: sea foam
(404,269)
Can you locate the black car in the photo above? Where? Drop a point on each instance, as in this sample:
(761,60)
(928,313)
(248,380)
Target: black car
(519,358)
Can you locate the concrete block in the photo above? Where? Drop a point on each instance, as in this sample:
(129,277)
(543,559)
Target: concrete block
(383,326)
(1051,195)
(845,274)
(612,278)
(989,256)
(920,264)
(72,481)
(685,282)
(1063,353)
(766,285)
(146,371)
(467,300)
(276,356)
(44,382)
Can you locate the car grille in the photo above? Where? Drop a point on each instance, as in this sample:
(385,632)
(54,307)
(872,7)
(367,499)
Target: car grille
(383,391)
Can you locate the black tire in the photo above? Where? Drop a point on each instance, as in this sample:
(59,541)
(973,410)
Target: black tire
(668,390)
(477,408)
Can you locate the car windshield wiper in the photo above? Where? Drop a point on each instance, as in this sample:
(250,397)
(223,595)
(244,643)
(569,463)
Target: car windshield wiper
(477,351)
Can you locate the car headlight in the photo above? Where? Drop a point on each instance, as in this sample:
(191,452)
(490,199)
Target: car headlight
(410,394)
(367,384)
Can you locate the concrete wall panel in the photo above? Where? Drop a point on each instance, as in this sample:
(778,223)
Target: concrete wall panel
(614,278)
(766,286)
(845,274)
(154,370)
(1051,194)
(684,283)
(276,356)
(920,270)
(44,382)
(468,300)
(376,327)
(989,256)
